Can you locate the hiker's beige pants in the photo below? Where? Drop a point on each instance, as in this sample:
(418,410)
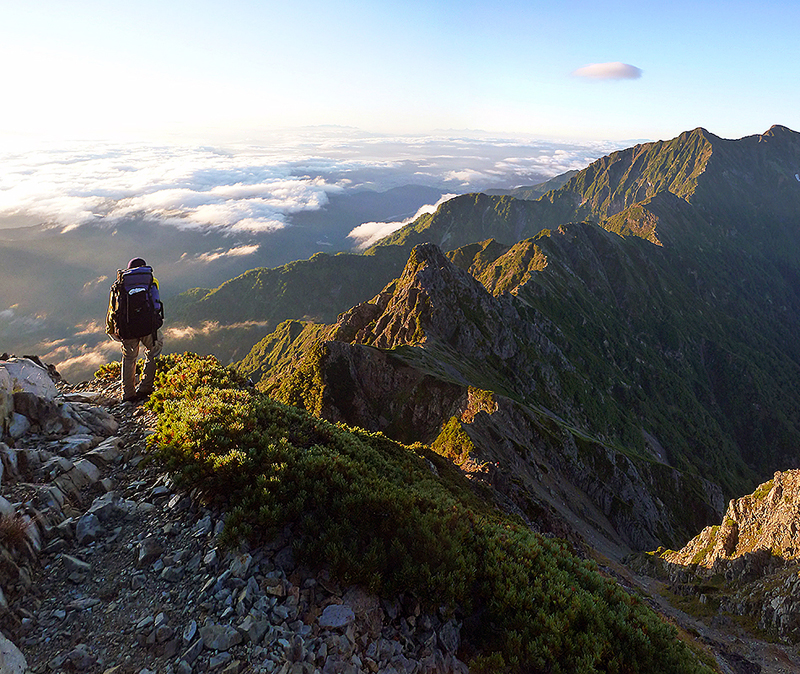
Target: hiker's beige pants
(130,350)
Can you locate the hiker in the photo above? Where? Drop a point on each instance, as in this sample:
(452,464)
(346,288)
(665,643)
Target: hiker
(135,314)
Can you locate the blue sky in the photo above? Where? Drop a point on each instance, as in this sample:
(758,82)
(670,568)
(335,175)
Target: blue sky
(209,70)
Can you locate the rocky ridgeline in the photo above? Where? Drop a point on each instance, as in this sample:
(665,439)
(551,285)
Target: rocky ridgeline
(750,564)
(467,330)
(105,567)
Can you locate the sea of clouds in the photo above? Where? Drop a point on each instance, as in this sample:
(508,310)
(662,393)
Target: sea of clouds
(258,186)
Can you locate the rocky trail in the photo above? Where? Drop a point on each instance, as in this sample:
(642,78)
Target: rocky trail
(110,569)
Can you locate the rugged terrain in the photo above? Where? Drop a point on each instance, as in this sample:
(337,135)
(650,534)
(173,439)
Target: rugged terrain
(644,357)
(616,359)
(125,573)
(107,567)
(746,567)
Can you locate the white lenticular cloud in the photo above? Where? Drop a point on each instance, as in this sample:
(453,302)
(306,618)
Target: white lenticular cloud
(371,232)
(609,71)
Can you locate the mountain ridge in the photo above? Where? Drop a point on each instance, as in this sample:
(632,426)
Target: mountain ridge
(642,335)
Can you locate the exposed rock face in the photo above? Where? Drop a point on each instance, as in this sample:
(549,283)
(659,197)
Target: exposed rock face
(756,550)
(371,389)
(639,502)
(768,520)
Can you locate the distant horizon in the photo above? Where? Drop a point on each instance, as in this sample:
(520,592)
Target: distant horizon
(243,136)
(257,186)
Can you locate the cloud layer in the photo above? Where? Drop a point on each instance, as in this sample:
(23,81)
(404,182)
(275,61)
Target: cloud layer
(371,232)
(257,188)
(609,71)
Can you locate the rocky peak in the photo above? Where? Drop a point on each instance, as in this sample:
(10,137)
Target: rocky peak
(779,131)
(749,564)
(434,300)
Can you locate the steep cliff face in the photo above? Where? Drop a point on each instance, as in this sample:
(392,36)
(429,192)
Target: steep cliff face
(764,522)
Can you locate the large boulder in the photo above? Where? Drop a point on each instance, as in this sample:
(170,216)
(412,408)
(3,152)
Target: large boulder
(26,375)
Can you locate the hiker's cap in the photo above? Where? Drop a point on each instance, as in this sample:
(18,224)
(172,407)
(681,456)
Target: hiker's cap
(136,262)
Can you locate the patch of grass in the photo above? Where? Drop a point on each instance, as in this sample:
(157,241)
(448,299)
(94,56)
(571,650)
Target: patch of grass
(13,531)
(453,442)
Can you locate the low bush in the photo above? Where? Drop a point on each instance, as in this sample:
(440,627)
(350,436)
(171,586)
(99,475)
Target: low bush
(400,519)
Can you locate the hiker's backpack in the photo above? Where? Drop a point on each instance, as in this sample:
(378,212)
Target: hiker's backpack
(134,310)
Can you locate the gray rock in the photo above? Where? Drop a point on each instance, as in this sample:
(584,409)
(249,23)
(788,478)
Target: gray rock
(96,419)
(106,453)
(203,527)
(170,648)
(212,558)
(160,492)
(12,661)
(172,574)
(81,659)
(73,564)
(41,411)
(159,620)
(150,550)
(219,660)
(241,565)
(91,471)
(19,425)
(8,459)
(336,616)
(190,632)
(106,506)
(193,652)
(280,614)
(233,668)
(145,625)
(450,636)
(88,529)
(220,637)
(164,633)
(75,444)
(254,630)
(25,375)
(183,667)
(6,509)
(6,400)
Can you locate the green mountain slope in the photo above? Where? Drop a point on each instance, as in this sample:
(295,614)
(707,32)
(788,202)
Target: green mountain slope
(694,192)
(668,348)
(745,190)
(404,523)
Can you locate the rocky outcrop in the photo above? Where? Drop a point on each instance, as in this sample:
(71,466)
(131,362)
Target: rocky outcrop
(749,564)
(640,503)
(766,521)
